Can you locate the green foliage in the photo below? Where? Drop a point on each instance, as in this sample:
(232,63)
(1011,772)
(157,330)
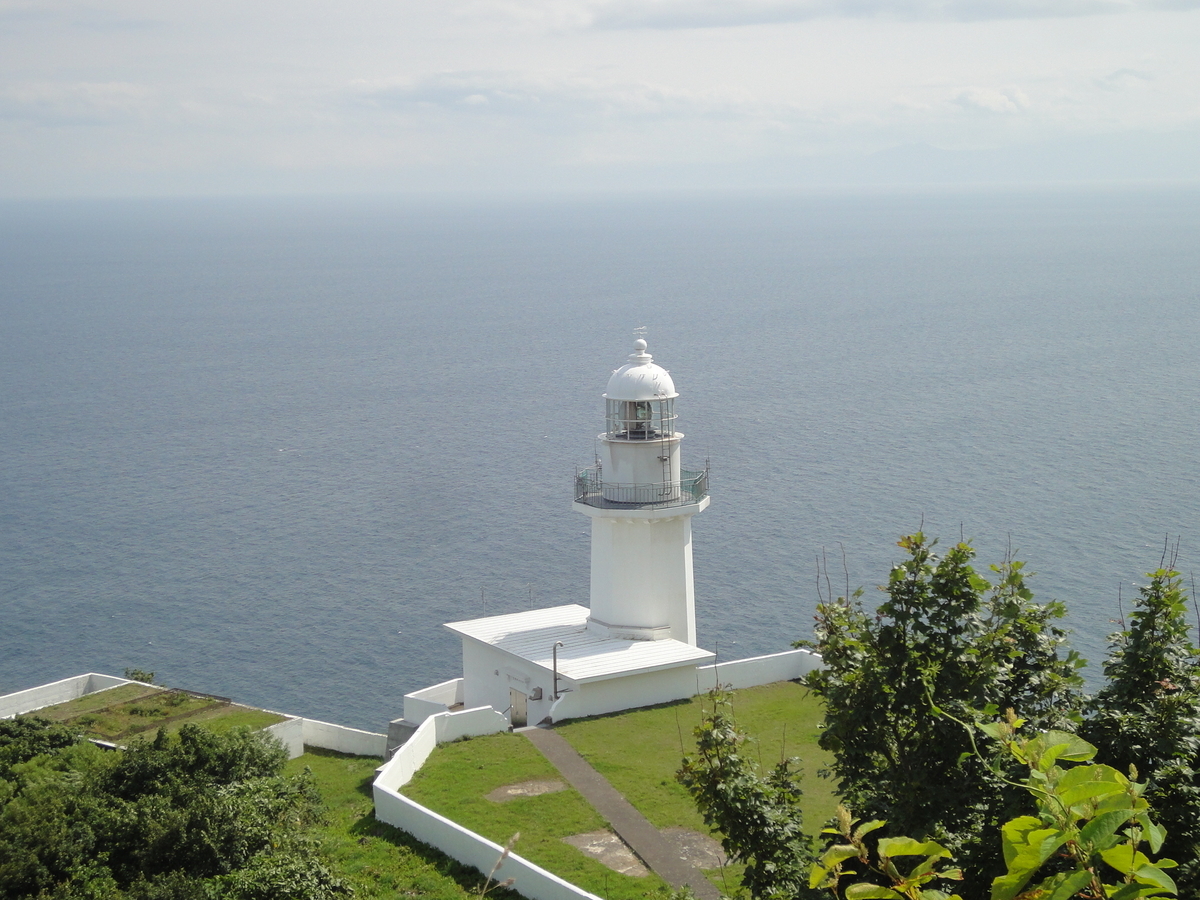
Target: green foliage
(140,675)
(945,639)
(757,814)
(1148,714)
(1090,824)
(889,881)
(1084,839)
(199,815)
(23,738)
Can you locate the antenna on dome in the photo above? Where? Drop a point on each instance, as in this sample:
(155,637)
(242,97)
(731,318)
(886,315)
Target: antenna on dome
(640,331)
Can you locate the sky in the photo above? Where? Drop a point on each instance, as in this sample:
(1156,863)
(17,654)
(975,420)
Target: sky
(139,98)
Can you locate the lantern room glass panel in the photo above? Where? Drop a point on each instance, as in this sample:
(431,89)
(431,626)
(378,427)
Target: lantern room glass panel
(640,420)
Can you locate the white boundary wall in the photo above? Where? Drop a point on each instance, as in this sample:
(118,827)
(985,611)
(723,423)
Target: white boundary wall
(451,838)
(298,732)
(420,705)
(57,692)
(743,673)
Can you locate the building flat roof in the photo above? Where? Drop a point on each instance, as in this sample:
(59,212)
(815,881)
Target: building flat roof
(584,656)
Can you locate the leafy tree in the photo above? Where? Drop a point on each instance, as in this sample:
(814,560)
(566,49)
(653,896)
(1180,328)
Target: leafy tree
(944,639)
(25,737)
(1084,838)
(757,814)
(198,815)
(1148,714)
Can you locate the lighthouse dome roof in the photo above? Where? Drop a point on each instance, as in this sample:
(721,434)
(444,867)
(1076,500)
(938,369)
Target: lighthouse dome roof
(640,378)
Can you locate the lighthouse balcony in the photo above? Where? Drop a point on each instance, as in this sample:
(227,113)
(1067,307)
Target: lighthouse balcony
(592,490)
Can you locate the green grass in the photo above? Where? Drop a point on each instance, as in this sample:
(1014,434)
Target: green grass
(138,712)
(457,778)
(639,751)
(379,861)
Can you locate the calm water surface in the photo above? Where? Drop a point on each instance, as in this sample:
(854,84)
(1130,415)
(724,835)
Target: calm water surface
(264,448)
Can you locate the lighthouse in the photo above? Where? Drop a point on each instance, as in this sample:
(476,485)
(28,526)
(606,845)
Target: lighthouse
(641,503)
(635,645)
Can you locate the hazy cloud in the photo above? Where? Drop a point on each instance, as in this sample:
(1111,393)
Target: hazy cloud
(1122,79)
(1010,100)
(514,94)
(79,103)
(669,14)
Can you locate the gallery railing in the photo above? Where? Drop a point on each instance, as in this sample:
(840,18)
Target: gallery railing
(592,489)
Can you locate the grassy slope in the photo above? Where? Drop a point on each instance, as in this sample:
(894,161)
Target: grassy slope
(378,860)
(639,751)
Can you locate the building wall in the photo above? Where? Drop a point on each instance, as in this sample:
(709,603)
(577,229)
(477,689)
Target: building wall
(628,692)
(489,675)
(741,673)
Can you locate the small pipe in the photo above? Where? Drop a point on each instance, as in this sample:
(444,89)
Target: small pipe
(554,650)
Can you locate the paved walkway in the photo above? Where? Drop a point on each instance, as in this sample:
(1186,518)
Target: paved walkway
(642,837)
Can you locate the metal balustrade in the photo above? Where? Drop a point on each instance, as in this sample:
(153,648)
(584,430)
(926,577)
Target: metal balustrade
(593,490)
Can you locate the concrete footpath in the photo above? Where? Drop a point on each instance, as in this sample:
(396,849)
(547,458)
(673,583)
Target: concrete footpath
(629,824)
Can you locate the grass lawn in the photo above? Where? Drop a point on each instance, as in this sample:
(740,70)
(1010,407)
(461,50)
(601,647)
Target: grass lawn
(378,860)
(139,712)
(457,778)
(639,751)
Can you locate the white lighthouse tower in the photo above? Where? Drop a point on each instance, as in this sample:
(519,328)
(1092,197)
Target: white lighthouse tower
(636,645)
(641,505)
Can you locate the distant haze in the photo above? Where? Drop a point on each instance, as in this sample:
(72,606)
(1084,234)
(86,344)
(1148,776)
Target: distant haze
(130,97)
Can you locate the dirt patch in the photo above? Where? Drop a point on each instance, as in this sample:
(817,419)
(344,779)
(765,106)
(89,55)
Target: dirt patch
(525,789)
(701,850)
(610,850)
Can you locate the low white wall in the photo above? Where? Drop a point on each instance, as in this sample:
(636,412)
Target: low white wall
(470,848)
(420,705)
(297,733)
(451,838)
(290,734)
(44,695)
(438,729)
(328,736)
(742,673)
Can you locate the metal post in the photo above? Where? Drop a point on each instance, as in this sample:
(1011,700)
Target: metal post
(554,650)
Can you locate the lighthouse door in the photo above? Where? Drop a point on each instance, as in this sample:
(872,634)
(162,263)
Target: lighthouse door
(518,708)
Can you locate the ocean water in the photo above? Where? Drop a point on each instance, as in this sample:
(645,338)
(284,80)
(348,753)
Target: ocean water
(265,448)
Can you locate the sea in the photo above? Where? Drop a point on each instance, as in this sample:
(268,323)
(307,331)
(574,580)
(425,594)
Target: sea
(265,447)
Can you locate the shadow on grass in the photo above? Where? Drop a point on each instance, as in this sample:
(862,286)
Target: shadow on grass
(471,880)
(366,828)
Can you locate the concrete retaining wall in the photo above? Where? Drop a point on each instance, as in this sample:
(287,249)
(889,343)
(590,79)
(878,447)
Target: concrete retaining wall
(56,692)
(741,673)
